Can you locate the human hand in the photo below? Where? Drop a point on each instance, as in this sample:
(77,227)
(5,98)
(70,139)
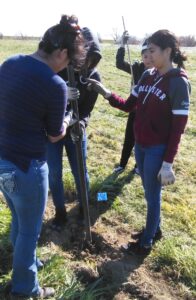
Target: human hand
(77,135)
(72,93)
(124,38)
(166,174)
(99,88)
(68,117)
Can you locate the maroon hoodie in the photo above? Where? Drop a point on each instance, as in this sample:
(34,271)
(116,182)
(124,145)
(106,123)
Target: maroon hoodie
(162,104)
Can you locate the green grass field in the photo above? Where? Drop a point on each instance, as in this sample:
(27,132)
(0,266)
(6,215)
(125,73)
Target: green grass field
(174,257)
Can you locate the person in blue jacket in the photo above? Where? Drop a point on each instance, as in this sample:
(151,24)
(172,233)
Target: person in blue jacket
(86,103)
(33,100)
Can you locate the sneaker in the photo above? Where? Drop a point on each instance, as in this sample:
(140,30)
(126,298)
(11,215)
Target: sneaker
(45,293)
(158,235)
(137,235)
(136,249)
(59,220)
(119,170)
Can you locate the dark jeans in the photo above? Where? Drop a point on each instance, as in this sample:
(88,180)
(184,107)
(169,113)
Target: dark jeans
(129,140)
(55,164)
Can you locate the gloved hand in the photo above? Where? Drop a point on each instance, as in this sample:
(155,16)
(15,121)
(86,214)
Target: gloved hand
(99,88)
(72,93)
(77,136)
(124,38)
(69,119)
(166,174)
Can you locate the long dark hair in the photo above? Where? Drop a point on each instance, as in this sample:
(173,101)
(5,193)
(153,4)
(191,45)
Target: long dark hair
(164,39)
(66,35)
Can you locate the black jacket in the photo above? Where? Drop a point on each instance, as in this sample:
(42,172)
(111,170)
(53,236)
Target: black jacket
(87,98)
(137,67)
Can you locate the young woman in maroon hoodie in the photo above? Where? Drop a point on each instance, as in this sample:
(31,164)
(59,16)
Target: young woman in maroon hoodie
(162,101)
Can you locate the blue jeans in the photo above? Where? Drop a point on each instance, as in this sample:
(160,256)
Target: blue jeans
(26,195)
(55,164)
(149,161)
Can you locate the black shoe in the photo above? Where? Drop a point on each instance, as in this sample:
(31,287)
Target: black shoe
(118,170)
(136,235)
(136,248)
(158,236)
(59,220)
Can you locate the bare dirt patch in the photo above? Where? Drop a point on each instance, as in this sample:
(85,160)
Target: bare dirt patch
(124,276)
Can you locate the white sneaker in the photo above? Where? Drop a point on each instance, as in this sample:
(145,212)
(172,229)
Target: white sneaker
(119,170)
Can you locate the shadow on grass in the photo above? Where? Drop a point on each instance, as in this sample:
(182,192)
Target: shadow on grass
(74,227)
(112,185)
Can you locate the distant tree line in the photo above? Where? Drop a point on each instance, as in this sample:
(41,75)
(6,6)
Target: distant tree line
(18,36)
(185,41)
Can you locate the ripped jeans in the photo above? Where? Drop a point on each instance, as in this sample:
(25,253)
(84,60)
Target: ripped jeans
(26,195)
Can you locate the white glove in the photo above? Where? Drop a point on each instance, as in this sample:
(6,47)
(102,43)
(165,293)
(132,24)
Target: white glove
(99,88)
(72,93)
(124,38)
(68,117)
(166,174)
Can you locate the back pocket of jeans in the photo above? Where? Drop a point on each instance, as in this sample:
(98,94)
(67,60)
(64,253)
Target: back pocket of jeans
(8,182)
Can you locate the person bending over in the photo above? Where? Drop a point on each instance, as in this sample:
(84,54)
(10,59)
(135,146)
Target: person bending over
(33,103)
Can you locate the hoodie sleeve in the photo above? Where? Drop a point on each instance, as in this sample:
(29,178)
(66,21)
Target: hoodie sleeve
(122,104)
(87,102)
(121,64)
(179,100)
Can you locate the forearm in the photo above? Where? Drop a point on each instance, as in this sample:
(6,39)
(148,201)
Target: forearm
(121,64)
(122,104)
(54,139)
(177,129)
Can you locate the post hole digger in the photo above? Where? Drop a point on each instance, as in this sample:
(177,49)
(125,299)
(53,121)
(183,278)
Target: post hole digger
(76,135)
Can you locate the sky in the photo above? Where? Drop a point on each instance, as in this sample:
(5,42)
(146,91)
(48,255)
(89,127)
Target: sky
(104,17)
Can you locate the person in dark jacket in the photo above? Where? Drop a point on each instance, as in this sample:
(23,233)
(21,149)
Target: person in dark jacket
(86,103)
(162,100)
(137,69)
